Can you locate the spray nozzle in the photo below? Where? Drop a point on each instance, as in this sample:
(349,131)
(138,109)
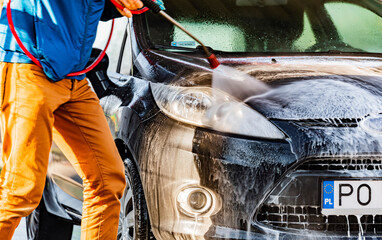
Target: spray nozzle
(214,63)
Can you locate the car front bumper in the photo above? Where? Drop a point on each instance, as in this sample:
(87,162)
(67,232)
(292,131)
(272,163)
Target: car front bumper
(237,171)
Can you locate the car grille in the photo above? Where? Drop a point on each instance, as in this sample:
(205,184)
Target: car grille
(310,218)
(333,122)
(306,214)
(342,164)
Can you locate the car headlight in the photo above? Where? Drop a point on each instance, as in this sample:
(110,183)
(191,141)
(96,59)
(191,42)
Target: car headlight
(214,109)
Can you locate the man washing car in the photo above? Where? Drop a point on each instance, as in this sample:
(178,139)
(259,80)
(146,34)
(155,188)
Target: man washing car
(38,105)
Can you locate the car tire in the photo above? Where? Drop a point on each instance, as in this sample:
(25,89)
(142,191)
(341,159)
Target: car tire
(134,223)
(42,225)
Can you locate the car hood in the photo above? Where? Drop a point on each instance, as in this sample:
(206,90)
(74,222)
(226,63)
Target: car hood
(316,88)
(292,87)
(319,103)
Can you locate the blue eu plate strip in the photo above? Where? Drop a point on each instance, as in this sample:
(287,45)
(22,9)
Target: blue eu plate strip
(328,194)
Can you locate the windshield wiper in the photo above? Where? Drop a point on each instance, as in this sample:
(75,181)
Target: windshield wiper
(198,48)
(166,47)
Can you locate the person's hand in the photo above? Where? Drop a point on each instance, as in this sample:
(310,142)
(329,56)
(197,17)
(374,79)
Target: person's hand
(129,5)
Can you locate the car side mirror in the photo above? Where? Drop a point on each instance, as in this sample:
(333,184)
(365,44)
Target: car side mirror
(98,76)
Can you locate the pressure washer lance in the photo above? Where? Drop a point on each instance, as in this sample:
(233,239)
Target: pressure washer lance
(214,63)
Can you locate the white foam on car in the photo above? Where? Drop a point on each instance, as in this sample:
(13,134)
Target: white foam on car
(238,84)
(321,98)
(329,98)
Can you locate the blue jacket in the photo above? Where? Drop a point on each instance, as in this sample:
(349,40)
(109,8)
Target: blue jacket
(59,33)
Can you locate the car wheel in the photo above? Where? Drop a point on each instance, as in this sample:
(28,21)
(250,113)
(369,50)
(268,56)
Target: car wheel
(134,222)
(42,225)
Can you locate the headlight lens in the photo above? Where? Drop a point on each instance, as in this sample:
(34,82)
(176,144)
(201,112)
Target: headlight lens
(196,201)
(211,108)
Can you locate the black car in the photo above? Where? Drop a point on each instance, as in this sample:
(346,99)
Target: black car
(283,140)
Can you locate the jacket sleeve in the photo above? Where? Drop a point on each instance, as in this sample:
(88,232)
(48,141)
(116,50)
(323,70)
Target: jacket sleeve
(109,11)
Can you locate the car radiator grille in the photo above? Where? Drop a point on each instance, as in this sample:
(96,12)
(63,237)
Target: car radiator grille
(288,217)
(369,164)
(310,218)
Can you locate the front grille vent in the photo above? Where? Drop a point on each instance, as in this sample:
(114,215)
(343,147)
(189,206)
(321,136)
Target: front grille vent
(330,122)
(295,202)
(342,164)
(310,218)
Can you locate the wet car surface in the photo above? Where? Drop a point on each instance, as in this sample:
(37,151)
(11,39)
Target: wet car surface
(282,141)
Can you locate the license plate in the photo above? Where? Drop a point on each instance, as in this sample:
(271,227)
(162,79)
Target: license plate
(351,197)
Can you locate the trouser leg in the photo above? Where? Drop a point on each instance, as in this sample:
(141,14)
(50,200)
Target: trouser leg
(82,133)
(27,104)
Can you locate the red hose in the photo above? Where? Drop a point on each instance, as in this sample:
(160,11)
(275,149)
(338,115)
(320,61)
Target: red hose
(98,59)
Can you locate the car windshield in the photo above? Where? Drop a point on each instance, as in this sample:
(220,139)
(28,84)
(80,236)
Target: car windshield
(271,25)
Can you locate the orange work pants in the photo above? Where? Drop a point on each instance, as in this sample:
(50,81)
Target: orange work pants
(33,111)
